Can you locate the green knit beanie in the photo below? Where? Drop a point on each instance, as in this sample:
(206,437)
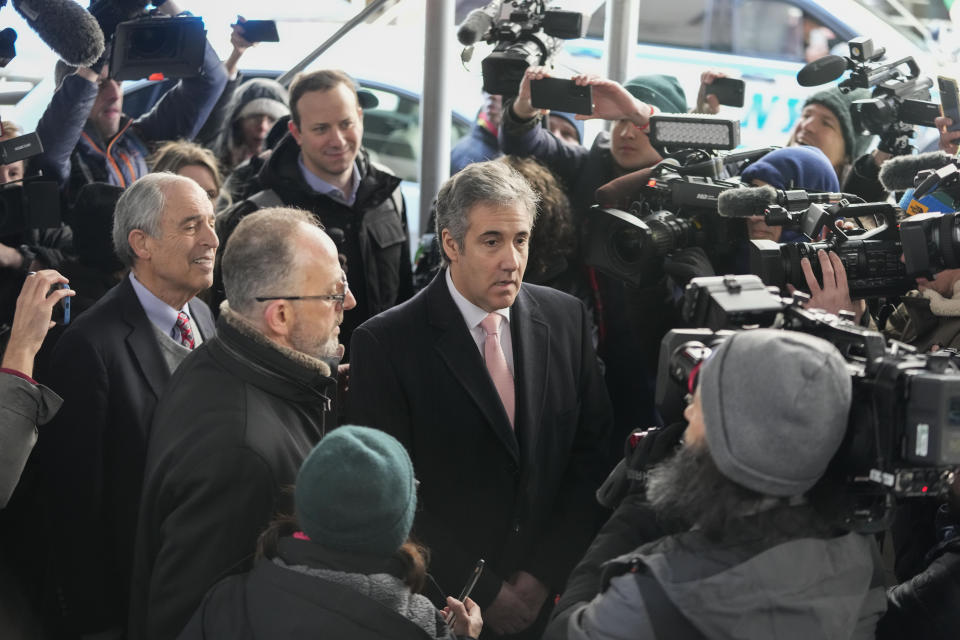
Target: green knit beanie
(839,103)
(663,92)
(356,492)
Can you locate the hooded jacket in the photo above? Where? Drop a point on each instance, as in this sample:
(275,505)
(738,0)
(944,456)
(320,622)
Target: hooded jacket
(758,583)
(372,233)
(231,430)
(230,137)
(306,590)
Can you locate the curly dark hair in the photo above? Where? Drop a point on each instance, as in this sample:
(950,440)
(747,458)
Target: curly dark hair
(554,233)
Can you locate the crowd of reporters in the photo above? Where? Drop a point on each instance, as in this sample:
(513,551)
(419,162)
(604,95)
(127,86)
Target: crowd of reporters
(148,446)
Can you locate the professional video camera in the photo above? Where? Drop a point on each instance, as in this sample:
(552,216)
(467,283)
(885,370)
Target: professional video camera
(903,435)
(141,44)
(525,33)
(928,243)
(900,96)
(673,205)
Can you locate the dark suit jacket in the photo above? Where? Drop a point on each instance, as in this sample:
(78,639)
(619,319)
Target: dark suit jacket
(521,500)
(109,370)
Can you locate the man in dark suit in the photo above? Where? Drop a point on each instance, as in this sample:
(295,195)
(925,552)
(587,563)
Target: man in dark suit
(110,367)
(495,391)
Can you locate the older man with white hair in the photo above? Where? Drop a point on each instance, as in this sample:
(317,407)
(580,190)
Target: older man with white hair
(110,367)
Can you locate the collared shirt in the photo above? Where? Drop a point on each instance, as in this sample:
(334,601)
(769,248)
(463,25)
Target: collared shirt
(474,315)
(322,186)
(162,315)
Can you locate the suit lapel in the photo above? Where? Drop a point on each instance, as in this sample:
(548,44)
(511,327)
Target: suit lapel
(458,350)
(531,337)
(141,340)
(201,313)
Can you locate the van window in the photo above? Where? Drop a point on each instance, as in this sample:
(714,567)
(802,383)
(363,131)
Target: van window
(689,24)
(768,29)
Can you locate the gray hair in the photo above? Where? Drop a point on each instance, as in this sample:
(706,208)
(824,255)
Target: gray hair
(488,182)
(140,207)
(261,257)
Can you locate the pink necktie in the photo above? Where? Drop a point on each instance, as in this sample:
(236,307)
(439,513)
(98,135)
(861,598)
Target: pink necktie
(497,363)
(186,332)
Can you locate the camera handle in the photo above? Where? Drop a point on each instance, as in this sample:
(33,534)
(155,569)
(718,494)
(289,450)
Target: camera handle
(896,139)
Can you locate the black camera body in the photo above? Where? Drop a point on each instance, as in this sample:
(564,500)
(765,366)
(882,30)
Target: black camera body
(870,257)
(528,35)
(671,212)
(141,44)
(903,436)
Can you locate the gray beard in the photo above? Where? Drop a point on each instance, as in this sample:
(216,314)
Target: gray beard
(690,490)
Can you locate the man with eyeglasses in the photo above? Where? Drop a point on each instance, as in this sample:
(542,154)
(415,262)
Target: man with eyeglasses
(237,420)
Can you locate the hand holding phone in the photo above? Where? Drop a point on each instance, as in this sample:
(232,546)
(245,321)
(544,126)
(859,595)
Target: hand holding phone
(558,94)
(729,91)
(259,31)
(949,101)
(61,310)
(467,588)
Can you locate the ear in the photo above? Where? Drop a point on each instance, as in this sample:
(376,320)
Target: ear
(294,131)
(450,246)
(137,239)
(278,321)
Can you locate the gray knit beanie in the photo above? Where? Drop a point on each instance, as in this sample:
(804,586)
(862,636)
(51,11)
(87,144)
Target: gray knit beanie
(356,492)
(775,406)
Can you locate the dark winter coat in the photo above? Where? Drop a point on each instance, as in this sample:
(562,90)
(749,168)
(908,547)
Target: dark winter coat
(305,590)
(477,146)
(110,371)
(230,433)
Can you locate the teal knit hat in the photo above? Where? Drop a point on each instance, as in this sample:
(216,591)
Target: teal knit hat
(356,492)
(663,92)
(839,103)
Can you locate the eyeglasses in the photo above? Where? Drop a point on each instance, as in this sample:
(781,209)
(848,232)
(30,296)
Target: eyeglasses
(333,297)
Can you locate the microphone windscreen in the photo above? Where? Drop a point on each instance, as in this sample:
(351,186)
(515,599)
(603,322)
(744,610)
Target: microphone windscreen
(897,174)
(473,26)
(821,71)
(619,193)
(745,201)
(66,27)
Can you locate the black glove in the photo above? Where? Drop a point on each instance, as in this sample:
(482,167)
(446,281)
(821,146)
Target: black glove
(642,450)
(684,265)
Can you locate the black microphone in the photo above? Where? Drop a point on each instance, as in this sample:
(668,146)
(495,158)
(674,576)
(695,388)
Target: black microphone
(477,23)
(899,173)
(66,27)
(754,201)
(821,71)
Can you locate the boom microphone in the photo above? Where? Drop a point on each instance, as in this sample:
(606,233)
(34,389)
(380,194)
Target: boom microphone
(477,23)
(754,201)
(821,71)
(66,27)
(899,173)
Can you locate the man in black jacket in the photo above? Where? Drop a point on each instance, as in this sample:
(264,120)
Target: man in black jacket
(237,420)
(321,167)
